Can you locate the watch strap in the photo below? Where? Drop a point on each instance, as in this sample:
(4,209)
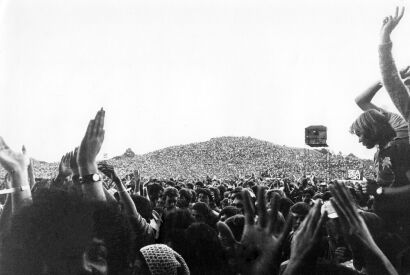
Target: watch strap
(15,189)
(90,178)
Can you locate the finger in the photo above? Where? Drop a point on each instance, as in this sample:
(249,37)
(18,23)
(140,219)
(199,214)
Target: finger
(102,135)
(344,221)
(262,215)
(23,149)
(3,144)
(102,121)
(319,225)
(226,234)
(401,14)
(100,125)
(316,213)
(96,124)
(248,209)
(385,20)
(347,201)
(90,128)
(337,199)
(397,12)
(273,217)
(286,230)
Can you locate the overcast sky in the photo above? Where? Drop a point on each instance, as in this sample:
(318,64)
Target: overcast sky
(176,72)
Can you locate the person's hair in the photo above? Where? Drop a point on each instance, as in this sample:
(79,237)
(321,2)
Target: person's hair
(229,211)
(300,208)
(172,230)
(375,125)
(205,191)
(57,228)
(186,193)
(154,189)
(202,208)
(170,192)
(203,251)
(144,206)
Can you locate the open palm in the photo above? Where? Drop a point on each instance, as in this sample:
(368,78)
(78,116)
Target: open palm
(12,161)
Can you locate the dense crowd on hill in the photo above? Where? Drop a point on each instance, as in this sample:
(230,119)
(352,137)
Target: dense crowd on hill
(229,157)
(91,219)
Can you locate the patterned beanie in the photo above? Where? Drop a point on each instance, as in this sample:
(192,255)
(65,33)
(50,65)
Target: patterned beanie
(162,260)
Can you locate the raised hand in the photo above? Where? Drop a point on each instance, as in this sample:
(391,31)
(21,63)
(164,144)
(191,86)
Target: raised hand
(389,23)
(405,72)
(307,235)
(137,181)
(13,161)
(73,161)
(259,250)
(30,169)
(91,144)
(353,226)
(357,234)
(64,169)
(109,171)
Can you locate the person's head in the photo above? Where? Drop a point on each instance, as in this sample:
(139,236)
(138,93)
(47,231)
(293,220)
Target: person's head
(170,198)
(237,200)
(201,212)
(199,184)
(154,192)
(60,233)
(372,128)
(323,187)
(144,207)
(307,195)
(299,212)
(204,195)
(203,252)
(172,229)
(227,212)
(185,198)
(159,259)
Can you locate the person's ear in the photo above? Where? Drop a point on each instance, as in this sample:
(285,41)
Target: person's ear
(95,258)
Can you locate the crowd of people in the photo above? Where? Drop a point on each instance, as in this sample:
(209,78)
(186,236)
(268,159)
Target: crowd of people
(89,219)
(229,157)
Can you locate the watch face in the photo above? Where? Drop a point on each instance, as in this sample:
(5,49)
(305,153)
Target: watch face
(379,191)
(96,177)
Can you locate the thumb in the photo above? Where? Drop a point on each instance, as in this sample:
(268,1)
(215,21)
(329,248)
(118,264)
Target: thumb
(226,235)
(3,144)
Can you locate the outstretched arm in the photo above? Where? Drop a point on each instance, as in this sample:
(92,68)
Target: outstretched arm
(125,197)
(392,81)
(87,154)
(364,99)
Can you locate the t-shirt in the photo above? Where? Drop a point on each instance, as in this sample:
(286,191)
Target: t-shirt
(393,162)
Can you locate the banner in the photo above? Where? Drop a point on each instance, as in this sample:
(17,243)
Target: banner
(354,175)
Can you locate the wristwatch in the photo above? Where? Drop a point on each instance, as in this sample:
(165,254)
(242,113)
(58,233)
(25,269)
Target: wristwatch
(379,191)
(87,179)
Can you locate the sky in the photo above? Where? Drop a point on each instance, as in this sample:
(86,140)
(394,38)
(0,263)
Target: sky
(176,72)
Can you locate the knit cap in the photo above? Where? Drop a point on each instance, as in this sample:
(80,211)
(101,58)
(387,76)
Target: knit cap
(163,260)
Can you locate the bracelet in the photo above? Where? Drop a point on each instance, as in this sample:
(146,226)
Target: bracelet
(13,190)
